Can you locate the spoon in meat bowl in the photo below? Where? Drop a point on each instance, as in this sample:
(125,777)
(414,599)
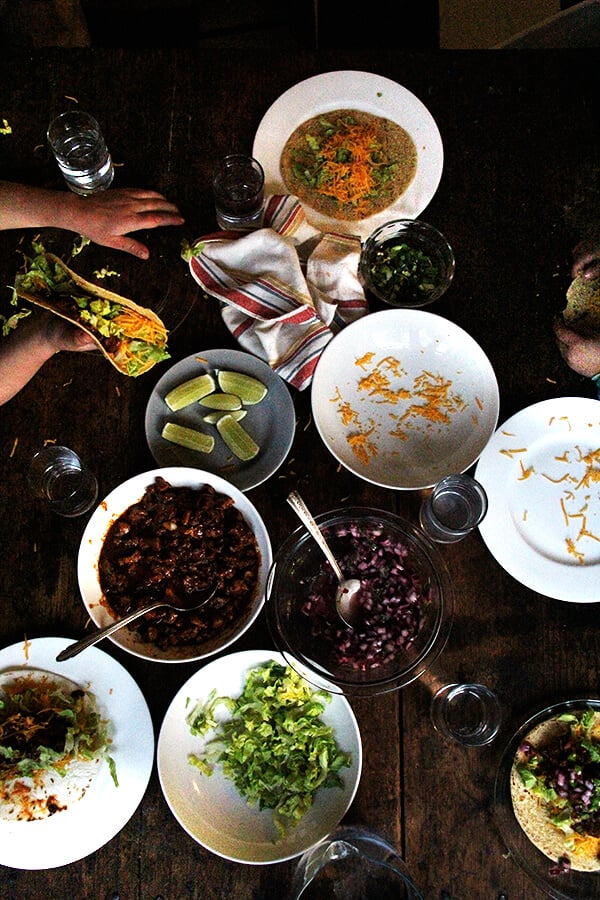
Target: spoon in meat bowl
(348,588)
(184,603)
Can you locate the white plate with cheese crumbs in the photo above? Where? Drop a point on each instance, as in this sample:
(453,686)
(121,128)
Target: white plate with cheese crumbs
(284,771)
(270,423)
(404,397)
(541,472)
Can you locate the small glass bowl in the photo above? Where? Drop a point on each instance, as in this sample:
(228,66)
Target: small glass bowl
(304,623)
(406,263)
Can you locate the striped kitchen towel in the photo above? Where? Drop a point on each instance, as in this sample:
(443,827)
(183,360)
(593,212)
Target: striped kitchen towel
(285,289)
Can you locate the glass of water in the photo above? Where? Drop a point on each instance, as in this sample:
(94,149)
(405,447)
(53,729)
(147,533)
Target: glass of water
(58,476)
(456,506)
(81,152)
(469,714)
(238,189)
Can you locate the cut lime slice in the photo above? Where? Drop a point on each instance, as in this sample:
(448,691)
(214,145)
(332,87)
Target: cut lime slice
(221,401)
(188,437)
(250,390)
(237,438)
(213,417)
(190,392)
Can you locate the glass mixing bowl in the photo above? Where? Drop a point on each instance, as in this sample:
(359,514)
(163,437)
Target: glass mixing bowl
(406,602)
(406,263)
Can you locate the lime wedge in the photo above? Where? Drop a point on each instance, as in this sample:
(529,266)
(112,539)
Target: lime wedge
(188,437)
(250,390)
(213,417)
(190,391)
(237,438)
(221,401)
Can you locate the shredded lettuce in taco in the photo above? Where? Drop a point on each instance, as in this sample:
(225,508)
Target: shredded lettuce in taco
(133,338)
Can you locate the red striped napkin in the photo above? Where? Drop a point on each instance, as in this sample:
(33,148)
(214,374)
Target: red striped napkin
(285,289)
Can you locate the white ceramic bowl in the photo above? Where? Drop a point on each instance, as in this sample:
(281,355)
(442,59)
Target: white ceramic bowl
(403,397)
(210,809)
(120,499)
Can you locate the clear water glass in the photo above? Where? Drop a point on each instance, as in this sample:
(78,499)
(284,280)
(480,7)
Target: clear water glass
(238,189)
(57,475)
(467,713)
(81,152)
(456,506)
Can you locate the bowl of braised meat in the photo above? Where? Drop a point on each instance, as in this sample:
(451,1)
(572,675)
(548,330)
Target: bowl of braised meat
(175,532)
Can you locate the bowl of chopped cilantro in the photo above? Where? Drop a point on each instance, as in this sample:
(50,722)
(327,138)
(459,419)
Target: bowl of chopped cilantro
(403,608)
(406,263)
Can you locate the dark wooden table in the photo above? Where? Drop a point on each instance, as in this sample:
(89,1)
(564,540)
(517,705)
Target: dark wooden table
(520,133)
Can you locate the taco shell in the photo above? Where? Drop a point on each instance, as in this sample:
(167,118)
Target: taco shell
(582,852)
(582,312)
(138,338)
(41,792)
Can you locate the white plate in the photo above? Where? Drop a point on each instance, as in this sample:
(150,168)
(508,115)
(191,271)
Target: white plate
(531,471)
(105,809)
(370,93)
(210,808)
(421,342)
(120,499)
(271,422)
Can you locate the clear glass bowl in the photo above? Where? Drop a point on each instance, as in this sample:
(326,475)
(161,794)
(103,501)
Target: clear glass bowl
(375,656)
(406,263)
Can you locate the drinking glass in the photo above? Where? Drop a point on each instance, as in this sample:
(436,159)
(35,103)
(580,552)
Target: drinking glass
(238,188)
(81,152)
(467,713)
(456,506)
(57,475)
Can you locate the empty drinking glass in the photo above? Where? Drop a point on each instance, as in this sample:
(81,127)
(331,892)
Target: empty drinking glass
(467,713)
(57,475)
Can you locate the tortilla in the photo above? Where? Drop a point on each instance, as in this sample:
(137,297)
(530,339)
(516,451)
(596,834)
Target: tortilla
(348,164)
(142,338)
(532,815)
(582,312)
(30,789)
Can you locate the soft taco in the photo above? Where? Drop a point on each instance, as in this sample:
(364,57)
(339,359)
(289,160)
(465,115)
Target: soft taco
(555,788)
(582,312)
(133,338)
(52,744)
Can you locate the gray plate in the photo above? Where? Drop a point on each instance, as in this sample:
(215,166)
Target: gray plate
(271,422)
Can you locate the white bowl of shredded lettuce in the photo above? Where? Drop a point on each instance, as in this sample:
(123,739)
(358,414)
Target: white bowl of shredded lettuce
(263,797)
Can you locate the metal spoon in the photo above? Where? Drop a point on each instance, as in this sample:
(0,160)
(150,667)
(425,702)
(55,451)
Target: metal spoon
(348,588)
(179,604)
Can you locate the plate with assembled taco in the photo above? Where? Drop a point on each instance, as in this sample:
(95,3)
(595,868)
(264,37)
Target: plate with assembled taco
(357,149)
(133,338)
(548,798)
(76,753)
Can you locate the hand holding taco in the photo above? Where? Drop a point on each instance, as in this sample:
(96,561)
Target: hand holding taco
(133,338)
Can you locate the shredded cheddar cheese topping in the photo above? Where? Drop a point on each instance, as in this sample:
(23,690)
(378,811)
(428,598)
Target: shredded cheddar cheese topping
(428,401)
(582,473)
